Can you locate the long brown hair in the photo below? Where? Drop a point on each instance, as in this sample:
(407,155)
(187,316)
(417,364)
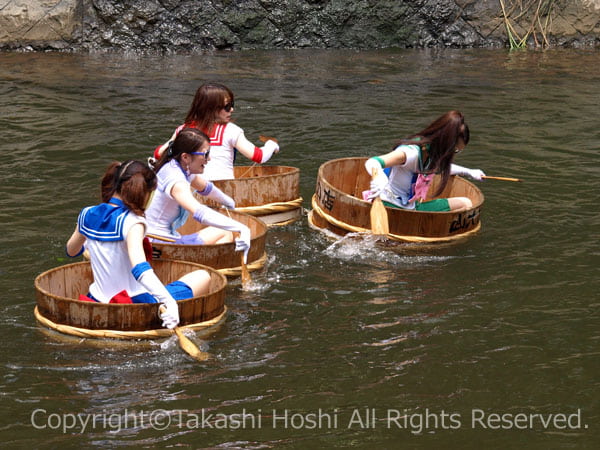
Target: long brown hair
(132,180)
(440,139)
(187,140)
(207,103)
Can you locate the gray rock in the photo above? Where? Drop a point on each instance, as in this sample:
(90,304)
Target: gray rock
(198,25)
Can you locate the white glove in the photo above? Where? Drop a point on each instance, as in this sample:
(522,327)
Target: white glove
(378,184)
(372,164)
(170,315)
(227,201)
(475,174)
(144,275)
(242,243)
(214,193)
(268,149)
(210,217)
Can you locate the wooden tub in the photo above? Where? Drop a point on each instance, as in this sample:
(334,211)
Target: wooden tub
(221,257)
(59,307)
(338,206)
(271,193)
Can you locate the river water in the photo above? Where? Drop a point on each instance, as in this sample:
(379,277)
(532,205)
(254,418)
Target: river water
(490,342)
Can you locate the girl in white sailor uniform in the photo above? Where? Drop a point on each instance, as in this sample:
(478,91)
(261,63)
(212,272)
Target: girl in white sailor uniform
(113,232)
(402,177)
(211,112)
(178,171)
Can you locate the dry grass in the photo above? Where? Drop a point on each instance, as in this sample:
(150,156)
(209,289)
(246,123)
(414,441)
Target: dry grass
(537,17)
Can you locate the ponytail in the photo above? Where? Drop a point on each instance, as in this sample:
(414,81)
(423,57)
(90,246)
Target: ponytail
(188,140)
(132,180)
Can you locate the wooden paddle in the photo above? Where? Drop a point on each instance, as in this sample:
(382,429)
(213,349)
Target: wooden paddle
(187,345)
(379,217)
(502,178)
(160,238)
(245,273)
(262,138)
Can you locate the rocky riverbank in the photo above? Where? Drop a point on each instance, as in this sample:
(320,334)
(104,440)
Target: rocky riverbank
(183,25)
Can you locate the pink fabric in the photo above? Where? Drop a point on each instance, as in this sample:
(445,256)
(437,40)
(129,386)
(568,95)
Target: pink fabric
(422,187)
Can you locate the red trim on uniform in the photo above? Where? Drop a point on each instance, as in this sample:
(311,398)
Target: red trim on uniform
(216,137)
(258,155)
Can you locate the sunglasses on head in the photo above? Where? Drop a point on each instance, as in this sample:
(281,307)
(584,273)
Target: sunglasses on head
(229,106)
(205,154)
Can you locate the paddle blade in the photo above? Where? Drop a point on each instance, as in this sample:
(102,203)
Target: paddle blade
(379,218)
(189,347)
(245,273)
(264,138)
(186,345)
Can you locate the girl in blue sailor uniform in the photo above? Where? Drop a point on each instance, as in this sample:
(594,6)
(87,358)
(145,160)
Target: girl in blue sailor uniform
(113,234)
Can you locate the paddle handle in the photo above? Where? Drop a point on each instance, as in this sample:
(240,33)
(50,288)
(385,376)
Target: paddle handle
(487,177)
(246,278)
(248,170)
(160,238)
(261,138)
(245,272)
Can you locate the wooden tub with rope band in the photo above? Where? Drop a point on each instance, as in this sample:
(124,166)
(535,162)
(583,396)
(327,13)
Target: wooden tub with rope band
(221,257)
(338,207)
(58,306)
(271,193)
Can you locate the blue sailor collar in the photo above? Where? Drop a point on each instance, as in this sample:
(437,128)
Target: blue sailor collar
(103,222)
